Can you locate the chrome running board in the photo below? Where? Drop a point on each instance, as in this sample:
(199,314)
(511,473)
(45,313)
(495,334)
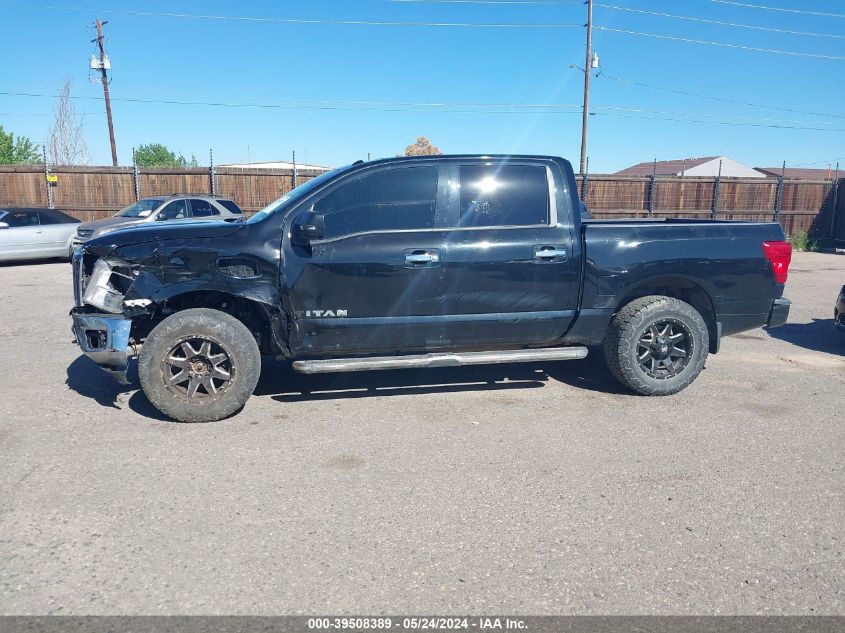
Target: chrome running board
(446,359)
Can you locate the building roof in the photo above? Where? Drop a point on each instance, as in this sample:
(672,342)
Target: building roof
(708,166)
(278,164)
(798,173)
(665,167)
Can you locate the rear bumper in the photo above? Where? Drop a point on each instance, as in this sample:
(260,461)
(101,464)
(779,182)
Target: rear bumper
(104,338)
(779,312)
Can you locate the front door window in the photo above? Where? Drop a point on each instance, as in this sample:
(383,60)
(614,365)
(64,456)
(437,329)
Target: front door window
(388,200)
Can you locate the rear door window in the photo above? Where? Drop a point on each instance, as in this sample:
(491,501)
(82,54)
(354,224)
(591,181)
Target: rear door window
(391,199)
(503,195)
(203,208)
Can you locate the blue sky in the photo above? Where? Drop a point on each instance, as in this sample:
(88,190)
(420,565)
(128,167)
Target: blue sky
(330,66)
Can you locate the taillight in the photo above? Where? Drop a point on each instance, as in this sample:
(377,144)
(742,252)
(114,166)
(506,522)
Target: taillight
(779,255)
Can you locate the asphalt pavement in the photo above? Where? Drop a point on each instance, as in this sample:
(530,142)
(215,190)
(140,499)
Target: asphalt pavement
(529,489)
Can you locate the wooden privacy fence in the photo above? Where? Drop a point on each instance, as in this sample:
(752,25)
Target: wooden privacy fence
(90,193)
(815,206)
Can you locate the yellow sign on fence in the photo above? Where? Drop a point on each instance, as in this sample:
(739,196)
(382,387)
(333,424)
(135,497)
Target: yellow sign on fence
(52,178)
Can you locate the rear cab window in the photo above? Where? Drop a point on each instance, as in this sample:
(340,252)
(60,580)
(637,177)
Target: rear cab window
(494,195)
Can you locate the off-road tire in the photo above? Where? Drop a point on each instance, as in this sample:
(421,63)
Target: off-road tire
(622,345)
(227,334)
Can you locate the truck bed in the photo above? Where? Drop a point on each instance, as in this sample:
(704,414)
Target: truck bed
(717,264)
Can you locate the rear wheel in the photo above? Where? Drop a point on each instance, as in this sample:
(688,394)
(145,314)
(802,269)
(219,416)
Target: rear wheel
(656,345)
(199,365)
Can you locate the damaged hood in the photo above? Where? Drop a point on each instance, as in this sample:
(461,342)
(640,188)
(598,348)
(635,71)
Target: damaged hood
(111,222)
(160,231)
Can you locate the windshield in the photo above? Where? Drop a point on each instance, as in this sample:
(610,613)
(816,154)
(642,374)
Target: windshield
(295,194)
(140,209)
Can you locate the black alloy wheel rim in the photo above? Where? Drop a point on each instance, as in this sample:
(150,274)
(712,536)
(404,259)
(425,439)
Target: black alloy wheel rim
(198,369)
(664,349)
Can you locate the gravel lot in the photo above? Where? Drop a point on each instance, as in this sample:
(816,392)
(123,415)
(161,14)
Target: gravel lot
(514,489)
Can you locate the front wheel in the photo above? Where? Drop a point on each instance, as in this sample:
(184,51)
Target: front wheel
(656,345)
(199,365)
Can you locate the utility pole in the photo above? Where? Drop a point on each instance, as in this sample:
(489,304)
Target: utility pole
(103,71)
(587,64)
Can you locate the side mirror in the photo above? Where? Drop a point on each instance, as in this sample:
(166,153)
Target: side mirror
(3,225)
(307,227)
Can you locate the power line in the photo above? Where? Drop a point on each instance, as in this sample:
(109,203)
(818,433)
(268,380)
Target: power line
(527,106)
(819,162)
(417,106)
(385,107)
(550,110)
(718,22)
(722,99)
(240,18)
(704,114)
(768,8)
(489,1)
(722,44)
(760,125)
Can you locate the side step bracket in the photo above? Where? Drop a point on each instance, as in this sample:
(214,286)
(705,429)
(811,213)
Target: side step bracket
(446,359)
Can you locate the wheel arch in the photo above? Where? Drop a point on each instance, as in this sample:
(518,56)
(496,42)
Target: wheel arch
(678,287)
(267,322)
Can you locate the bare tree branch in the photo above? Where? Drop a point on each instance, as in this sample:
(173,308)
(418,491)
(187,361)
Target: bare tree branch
(66,143)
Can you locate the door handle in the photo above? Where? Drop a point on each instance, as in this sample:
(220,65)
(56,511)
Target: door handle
(548,253)
(422,258)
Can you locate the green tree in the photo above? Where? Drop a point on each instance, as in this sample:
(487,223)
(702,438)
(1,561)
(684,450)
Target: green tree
(157,155)
(17,150)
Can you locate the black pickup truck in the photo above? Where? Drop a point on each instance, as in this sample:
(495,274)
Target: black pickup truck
(420,262)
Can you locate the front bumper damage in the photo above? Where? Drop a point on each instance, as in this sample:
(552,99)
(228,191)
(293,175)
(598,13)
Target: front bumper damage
(104,338)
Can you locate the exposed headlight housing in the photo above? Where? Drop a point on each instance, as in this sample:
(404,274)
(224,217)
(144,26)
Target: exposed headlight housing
(107,284)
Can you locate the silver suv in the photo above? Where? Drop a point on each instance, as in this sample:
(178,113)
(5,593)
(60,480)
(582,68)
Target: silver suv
(161,208)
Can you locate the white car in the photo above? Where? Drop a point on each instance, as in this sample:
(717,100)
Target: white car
(35,234)
(162,208)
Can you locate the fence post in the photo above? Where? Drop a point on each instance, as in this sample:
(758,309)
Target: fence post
(584,180)
(652,182)
(211,173)
(136,177)
(834,200)
(779,194)
(295,174)
(717,186)
(47,179)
